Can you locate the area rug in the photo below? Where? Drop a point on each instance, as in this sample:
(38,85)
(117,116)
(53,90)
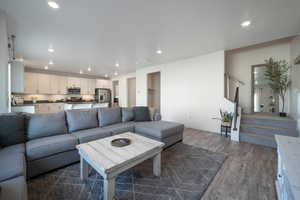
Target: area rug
(186,173)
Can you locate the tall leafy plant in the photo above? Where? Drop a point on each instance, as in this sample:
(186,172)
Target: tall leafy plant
(277,73)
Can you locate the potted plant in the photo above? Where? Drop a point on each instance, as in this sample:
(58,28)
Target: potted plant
(277,73)
(226,118)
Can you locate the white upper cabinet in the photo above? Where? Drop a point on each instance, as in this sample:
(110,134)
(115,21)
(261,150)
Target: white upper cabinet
(54,84)
(44,84)
(73,82)
(31,83)
(92,86)
(84,86)
(102,83)
(63,85)
(17,77)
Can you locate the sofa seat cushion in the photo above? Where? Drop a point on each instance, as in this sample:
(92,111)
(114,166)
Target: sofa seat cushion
(12,162)
(43,147)
(109,116)
(17,148)
(91,134)
(82,119)
(159,129)
(120,128)
(12,129)
(45,125)
(14,189)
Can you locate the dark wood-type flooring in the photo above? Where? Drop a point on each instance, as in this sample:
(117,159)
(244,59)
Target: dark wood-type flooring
(248,173)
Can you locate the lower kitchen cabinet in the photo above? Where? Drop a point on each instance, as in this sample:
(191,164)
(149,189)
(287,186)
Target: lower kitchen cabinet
(49,108)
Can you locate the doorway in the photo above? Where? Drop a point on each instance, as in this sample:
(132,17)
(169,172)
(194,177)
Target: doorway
(115,93)
(131,92)
(263,98)
(153,86)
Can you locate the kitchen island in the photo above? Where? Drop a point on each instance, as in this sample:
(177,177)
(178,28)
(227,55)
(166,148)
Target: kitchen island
(52,107)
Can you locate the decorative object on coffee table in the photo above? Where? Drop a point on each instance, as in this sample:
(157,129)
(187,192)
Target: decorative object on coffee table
(110,161)
(120,142)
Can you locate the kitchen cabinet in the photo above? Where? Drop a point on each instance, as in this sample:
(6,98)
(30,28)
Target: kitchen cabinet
(102,83)
(73,82)
(17,77)
(44,84)
(92,86)
(31,83)
(54,84)
(84,86)
(58,84)
(49,108)
(63,85)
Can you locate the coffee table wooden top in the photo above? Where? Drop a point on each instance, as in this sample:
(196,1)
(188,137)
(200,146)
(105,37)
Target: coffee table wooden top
(108,158)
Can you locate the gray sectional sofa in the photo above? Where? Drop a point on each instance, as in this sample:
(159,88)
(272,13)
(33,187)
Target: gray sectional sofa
(34,144)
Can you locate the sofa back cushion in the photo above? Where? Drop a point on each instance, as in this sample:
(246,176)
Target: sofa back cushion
(109,116)
(127,114)
(141,114)
(82,119)
(12,129)
(44,125)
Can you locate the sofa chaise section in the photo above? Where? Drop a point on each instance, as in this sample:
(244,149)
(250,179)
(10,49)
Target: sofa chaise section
(167,132)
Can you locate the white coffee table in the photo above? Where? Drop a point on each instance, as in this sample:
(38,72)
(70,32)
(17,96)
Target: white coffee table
(109,161)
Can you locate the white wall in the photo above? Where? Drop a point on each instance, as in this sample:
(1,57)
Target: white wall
(3,64)
(192,90)
(295,76)
(239,62)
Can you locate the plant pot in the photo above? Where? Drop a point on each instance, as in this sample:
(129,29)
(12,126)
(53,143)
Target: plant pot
(282,114)
(226,123)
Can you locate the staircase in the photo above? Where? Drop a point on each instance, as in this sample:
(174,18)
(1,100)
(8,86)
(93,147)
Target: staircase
(261,128)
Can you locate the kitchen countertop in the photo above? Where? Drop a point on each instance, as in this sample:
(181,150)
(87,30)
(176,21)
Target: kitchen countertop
(64,102)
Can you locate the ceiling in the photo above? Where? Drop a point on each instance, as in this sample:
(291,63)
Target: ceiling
(102,32)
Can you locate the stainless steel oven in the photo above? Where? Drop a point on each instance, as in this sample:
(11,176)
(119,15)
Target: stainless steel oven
(73,90)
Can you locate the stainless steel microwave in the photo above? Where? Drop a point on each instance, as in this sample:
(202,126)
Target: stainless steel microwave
(73,90)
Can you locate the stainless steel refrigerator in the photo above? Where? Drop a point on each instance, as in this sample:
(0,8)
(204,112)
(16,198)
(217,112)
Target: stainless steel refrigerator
(103,95)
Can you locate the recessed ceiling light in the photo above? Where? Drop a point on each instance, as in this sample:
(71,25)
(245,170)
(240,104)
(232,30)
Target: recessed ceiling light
(50,49)
(106,75)
(116,73)
(246,23)
(159,51)
(46,67)
(117,64)
(80,72)
(51,62)
(53,4)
